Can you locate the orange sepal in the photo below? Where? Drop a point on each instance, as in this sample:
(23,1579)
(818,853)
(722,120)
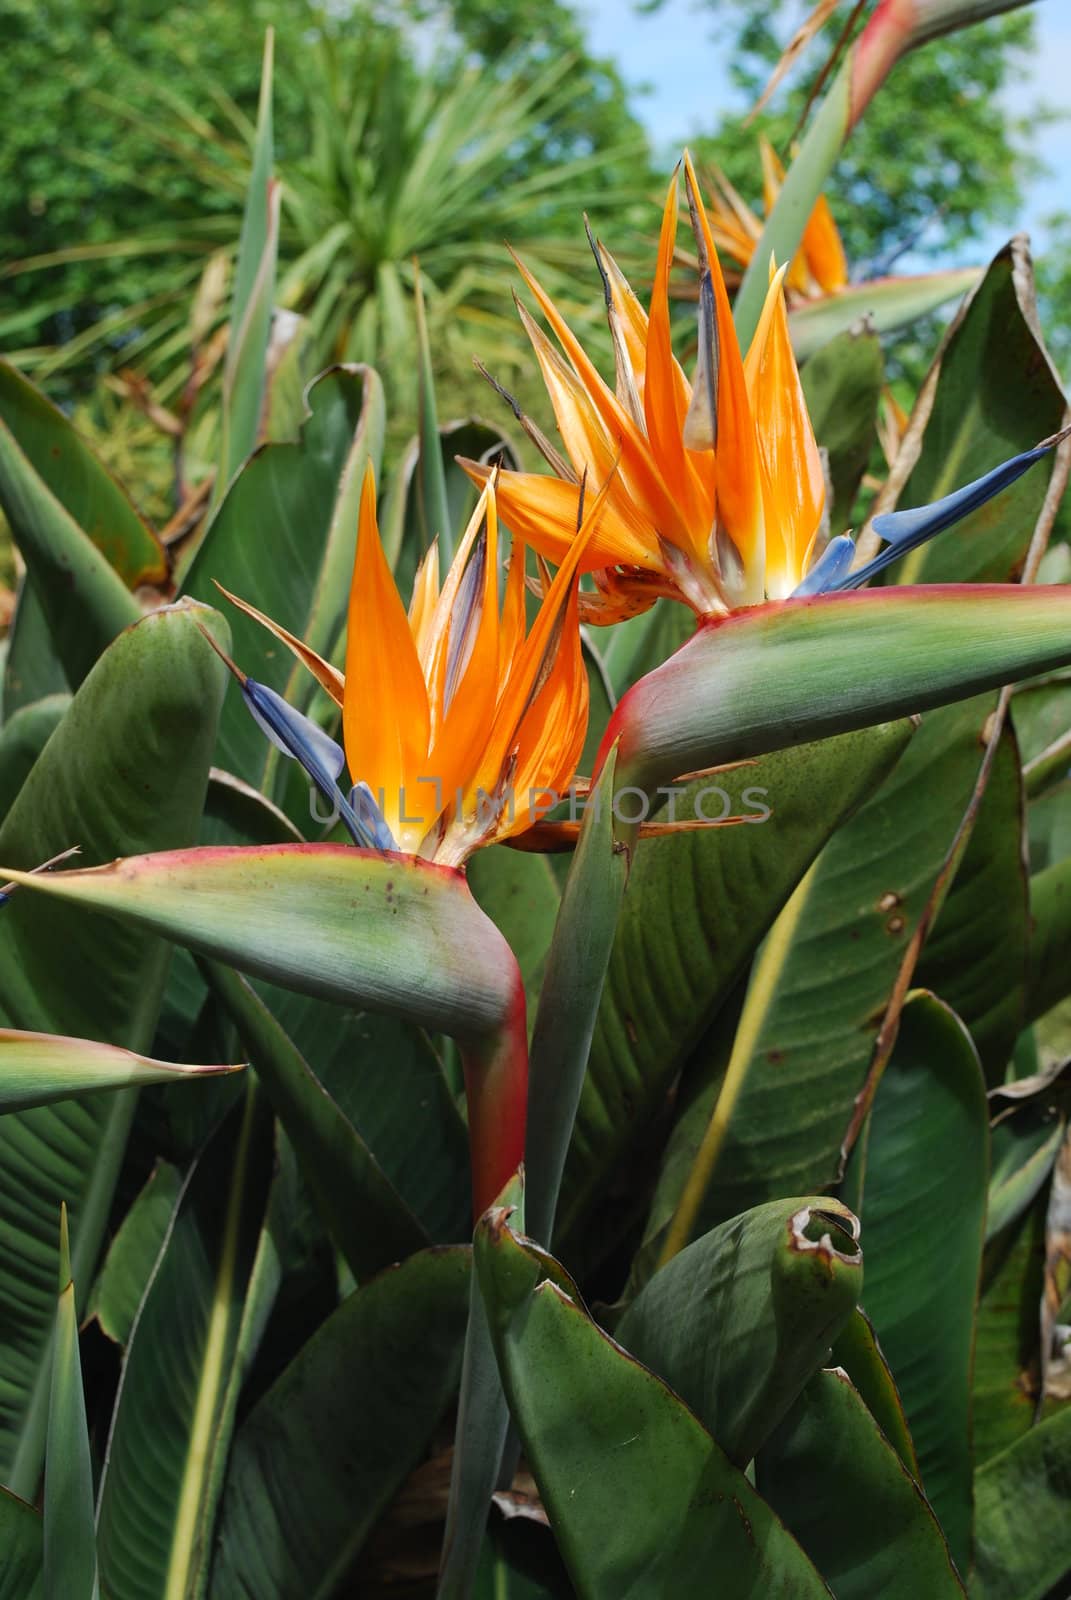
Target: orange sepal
(824,249)
(793,481)
(542,511)
(666,397)
(740,511)
(385,716)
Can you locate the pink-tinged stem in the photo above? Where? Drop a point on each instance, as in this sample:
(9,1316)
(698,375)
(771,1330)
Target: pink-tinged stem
(877,50)
(794,671)
(898,26)
(496,1091)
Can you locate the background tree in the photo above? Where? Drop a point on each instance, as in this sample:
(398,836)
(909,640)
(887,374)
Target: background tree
(938,158)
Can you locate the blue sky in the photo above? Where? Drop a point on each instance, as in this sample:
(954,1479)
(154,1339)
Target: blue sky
(674,54)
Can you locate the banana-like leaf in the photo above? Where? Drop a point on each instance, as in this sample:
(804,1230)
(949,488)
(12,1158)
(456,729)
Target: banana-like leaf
(842,386)
(640,1497)
(58,454)
(880,304)
(22,738)
(70,1558)
(1029,1116)
(37,1069)
(519,892)
(128,766)
(766,1104)
(1042,715)
(32,669)
(84,600)
(322,1454)
(743,1318)
(695,909)
(367,1217)
(132,1254)
(432,500)
(284,540)
(841,1488)
(772,675)
(407,1117)
(480,1436)
(1030,1479)
(22,1541)
(1050,920)
(576,967)
(977,967)
(245,371)
(390,933)
(856,1351)
(991,395)
(925,1157)
(172,1419)
(1007,1345)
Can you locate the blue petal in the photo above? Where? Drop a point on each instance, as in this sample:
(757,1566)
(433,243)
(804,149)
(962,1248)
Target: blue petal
(306,742)
(905,530)
(830,570)
(365,805)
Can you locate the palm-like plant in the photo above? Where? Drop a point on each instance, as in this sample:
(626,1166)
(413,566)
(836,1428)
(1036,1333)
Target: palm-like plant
(384,159)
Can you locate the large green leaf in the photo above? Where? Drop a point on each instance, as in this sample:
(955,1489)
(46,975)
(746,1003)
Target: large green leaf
(857,1352)
(768,677)
(84,600)
(1029,1118)
(171,1418)
(22,738)
(641,1499)
(94,500)
(245,370)
(132,1254)
(37,1069)
(842,386)
(773,1120)
(1050,919)
(923,1211)
(976,964)
(742,1319)
(695,908)
(389,1084)
(22,1541)
(368,1219)
(32,669)
(1022,1547)
(996,394)
(70,1559)
(284,539)
(841,1488)
(480,1437)
(1007,1348)
(126,769)
(576,967)
(519,892)
(880,304)
(329,920)
(388,932)
(323,1452)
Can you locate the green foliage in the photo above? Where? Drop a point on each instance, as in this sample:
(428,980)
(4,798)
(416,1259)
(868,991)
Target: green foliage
(804,1327)
(936,160)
